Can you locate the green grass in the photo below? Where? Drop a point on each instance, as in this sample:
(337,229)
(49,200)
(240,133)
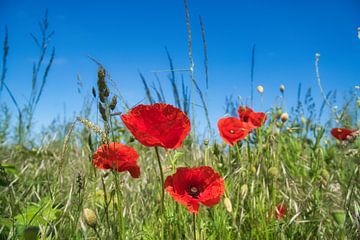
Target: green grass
(44,188)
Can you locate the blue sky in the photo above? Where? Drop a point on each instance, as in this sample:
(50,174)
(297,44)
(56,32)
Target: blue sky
(130,36)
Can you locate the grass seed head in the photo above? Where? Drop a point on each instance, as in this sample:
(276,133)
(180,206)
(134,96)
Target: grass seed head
(244,190)
(228,205)
(113,103)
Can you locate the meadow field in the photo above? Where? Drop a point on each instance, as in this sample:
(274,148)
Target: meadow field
(147,170)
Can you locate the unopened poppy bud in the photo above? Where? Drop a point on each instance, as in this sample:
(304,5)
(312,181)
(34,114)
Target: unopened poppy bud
(284,117)
(90,217)
(244,189)
(228,205)
(273,171)
(303,120)
(278,113)
(282,88)
(260,89)
(253,169)
(325,174)
(358,103)
(206,142)
(317,56)
(220,165)
(339,217)
(31,233)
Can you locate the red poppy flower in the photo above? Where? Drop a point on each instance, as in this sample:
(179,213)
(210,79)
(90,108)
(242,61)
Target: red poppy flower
(343,133)
(255,119)
(280,211)
(233,130)
(118,157)
(157,124)
(192,186)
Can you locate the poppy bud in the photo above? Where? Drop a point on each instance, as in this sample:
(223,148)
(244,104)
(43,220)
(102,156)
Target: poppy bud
(358,103)
(228,205)
(206,142)
(31,233)
(273,171)
(284,117)
(278,113)
(260,89)
(303,120)
(282,88)
(253,169)
(339,217)
(325,174)
(90,217)
(317,56)
(244,189)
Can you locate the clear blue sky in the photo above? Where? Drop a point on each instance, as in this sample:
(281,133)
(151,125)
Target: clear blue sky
(128,36)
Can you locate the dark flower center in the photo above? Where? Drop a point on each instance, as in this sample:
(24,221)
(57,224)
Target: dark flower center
(246,119)
(194,192)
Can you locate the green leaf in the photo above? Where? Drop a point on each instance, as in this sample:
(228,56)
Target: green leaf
(38,215)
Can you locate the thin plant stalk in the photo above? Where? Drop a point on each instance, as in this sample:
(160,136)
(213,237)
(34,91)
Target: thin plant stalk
(162,189)
(194,225)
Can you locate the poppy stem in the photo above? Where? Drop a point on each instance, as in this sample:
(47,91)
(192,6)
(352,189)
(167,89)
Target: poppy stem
(194,225)
(162,185)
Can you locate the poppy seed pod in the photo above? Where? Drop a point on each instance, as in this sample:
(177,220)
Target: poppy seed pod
(273,171)
(260,89)
(90,217)
(284,117)
(282,88)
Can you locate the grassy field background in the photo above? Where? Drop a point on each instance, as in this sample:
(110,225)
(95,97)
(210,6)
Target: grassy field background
(47,179)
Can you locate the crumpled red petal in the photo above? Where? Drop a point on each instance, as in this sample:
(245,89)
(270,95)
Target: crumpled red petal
(118,157)
(157,124)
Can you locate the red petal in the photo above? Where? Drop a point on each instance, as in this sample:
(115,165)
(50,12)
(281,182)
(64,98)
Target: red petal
(157,125)
(233,130)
